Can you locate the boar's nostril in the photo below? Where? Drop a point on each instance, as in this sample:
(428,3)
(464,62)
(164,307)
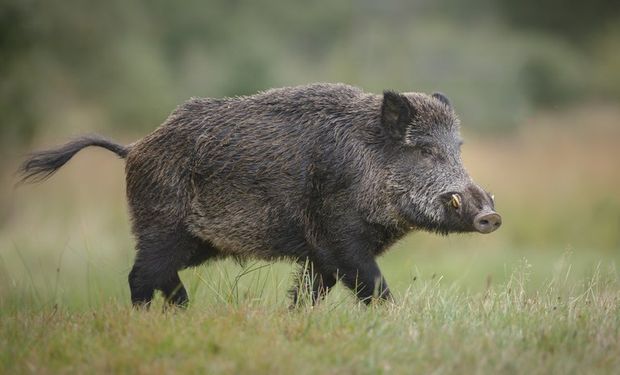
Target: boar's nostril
(487,222)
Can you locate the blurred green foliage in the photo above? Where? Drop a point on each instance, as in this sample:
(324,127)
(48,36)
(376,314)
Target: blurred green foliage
(577,21)
(126,64)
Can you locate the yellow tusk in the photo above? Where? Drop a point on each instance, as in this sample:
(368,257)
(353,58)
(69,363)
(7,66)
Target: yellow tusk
(456,201)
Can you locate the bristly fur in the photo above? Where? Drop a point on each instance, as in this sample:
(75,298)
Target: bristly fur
(326,175)
(41,165)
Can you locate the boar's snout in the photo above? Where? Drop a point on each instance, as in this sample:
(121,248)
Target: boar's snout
(482,210)
(471,210)
(487,222)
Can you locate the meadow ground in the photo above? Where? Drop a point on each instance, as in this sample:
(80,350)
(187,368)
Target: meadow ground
(541,295)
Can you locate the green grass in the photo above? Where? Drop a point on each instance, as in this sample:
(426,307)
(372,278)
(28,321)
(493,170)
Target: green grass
(238,323)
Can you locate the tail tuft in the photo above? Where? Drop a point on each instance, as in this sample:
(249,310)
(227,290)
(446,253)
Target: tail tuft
(40,165)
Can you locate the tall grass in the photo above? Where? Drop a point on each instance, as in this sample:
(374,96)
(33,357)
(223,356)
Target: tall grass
(240,325)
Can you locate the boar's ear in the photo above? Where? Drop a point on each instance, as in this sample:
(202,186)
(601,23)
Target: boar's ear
(396,114)
(442,98)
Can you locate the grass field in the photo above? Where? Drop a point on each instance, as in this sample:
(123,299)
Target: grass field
(541,295)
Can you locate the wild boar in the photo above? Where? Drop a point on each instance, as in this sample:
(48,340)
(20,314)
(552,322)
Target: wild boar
(323,174)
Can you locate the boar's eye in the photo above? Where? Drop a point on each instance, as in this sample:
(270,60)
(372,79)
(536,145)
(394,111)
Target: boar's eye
(431,152)
(426,151)
(425,148)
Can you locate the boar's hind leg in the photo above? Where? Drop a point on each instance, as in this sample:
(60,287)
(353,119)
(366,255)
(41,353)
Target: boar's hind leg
(175,292)
(146,277)
(141,288)
(161,254)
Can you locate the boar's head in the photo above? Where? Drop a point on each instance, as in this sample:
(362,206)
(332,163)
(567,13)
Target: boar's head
(427,183)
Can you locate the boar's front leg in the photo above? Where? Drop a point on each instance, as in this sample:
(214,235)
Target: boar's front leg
(365,280)
(359,271)
(313,282)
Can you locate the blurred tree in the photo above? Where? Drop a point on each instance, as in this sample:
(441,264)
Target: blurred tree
(125,64)
(577,21)
(16,39)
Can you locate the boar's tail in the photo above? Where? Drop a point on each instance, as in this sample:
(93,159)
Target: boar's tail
(42,164)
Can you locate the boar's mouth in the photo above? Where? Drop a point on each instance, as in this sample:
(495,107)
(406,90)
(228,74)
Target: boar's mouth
(452,212)
(419,219)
